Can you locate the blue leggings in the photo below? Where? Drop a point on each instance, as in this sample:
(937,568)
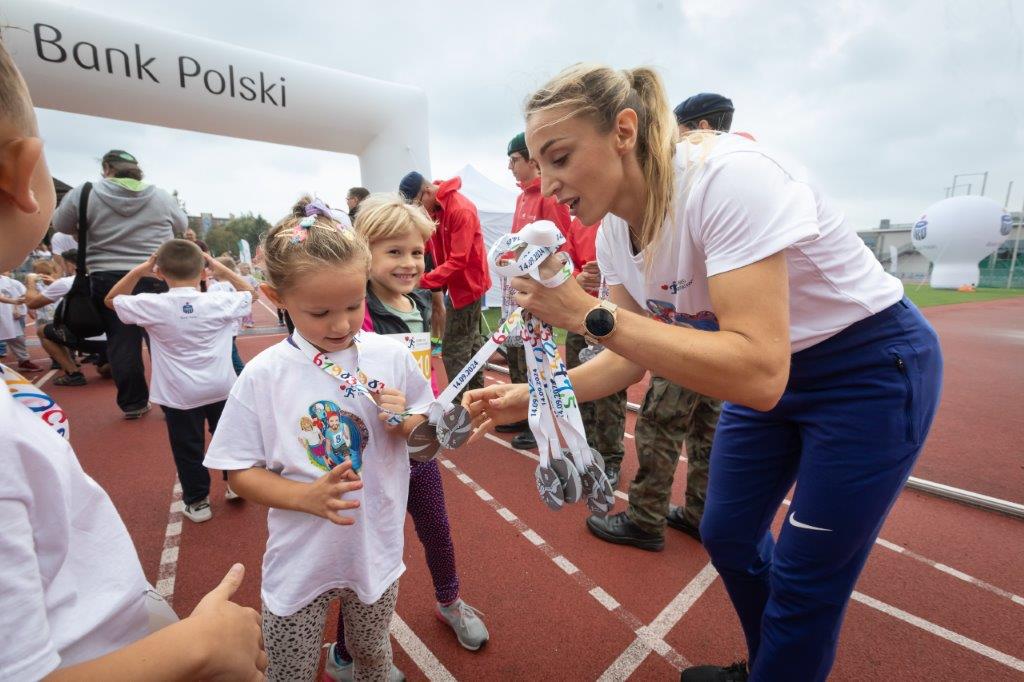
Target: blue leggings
(847,431)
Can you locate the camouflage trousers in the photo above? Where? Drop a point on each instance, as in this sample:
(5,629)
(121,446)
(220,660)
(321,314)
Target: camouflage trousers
(603,419)
(671,417)
(516,359)
(461,340)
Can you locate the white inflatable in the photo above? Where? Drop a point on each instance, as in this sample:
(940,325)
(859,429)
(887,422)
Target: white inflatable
(956,233)
(88,63)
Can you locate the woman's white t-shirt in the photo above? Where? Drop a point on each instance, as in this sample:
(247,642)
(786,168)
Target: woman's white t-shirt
(266,423)
(743,205)
(71,586)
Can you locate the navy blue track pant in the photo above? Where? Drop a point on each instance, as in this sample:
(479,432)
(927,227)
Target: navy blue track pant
(847,431)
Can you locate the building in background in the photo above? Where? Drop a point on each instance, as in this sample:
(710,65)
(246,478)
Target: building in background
(202,224)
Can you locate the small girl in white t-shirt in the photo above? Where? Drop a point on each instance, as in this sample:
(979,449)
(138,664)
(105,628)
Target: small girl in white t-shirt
(337,496)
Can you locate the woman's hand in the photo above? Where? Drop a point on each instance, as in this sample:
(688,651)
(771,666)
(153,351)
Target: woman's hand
(493,405)
(563,306)
(323,496)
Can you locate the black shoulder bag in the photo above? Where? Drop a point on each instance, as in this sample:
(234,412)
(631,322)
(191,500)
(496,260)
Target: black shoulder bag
(77,311)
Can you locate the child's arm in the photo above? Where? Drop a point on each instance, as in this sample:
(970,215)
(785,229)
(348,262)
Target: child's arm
(223,272)
(320,498)
(33,297)
(127,284)
(220,640)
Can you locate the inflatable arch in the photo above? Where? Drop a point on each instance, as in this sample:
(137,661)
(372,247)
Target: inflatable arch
(87,63)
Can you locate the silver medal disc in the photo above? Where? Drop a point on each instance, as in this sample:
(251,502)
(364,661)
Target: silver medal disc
(572,486)
(550,487)
(601,498)
(588,353)
(423,445)
(455,427)
(586,478)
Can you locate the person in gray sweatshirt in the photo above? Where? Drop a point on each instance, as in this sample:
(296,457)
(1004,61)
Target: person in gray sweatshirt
(127,221)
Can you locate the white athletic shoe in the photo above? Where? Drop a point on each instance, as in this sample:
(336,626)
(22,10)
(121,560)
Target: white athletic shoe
(466,622)
(230,495)
(199,511)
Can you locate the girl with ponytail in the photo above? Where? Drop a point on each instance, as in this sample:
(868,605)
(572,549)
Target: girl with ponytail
(831,376)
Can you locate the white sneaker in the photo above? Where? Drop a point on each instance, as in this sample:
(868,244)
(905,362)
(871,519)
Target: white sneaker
(465,621)
(199,511)
(230,495)
(344,671)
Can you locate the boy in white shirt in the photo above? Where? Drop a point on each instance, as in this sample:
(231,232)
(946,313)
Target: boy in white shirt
(12,321)
(190,335)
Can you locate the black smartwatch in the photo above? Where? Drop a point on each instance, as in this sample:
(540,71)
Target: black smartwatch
(600,322)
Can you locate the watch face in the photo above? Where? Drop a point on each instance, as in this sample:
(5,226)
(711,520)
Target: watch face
(600,322)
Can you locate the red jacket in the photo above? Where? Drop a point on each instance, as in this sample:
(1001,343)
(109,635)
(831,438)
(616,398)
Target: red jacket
(457,247)
(532,206)
(581,244)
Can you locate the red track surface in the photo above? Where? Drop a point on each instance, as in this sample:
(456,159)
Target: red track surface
(546,622)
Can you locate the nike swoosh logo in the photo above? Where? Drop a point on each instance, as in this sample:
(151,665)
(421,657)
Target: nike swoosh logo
(793,521)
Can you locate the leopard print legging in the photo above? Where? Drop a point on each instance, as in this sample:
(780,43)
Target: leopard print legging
(293,642)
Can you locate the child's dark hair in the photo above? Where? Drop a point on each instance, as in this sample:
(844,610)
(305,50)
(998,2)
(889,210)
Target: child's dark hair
(300,243)
(180,259)
(359,193)
(15,105)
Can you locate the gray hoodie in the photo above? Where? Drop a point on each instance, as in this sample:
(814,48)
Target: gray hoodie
(125,225)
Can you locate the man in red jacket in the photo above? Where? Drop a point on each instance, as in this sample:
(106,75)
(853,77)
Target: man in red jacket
(460,267)
(531,206)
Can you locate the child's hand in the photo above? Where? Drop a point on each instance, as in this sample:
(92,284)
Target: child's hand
(323,497)
(148,268)
(590,276)
(393,400)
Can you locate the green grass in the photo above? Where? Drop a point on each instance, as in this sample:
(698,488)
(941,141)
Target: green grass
(924,296)
(492,316)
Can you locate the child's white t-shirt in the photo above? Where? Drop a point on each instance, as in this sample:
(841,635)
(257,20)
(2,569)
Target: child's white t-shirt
(222,285)
(743,205)
(10,328)
(71,586)
(61,242)
(266,423)
(190,333)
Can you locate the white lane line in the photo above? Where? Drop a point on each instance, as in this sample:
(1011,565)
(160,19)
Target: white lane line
(681,603)
(627,662)
(977,582)
(624,615)
(532,536)
(606,600)
(484,495)
(628,435)
(636,653)
(423,657)
(939,631)
(564,564)
(43,379)
(172,539)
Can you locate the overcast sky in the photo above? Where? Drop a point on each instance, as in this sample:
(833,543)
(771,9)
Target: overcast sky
(882,104)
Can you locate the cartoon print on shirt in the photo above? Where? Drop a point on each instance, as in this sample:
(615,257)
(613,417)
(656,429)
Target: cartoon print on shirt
(663,311)
(331,435)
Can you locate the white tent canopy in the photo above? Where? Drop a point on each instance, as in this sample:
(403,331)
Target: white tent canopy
(496,205)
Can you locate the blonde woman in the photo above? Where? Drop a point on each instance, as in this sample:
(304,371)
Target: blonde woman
(831,376)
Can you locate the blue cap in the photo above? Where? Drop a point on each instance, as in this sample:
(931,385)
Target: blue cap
(410,186)
(702,105)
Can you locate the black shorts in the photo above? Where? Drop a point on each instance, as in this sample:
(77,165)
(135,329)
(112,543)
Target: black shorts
(59,333)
